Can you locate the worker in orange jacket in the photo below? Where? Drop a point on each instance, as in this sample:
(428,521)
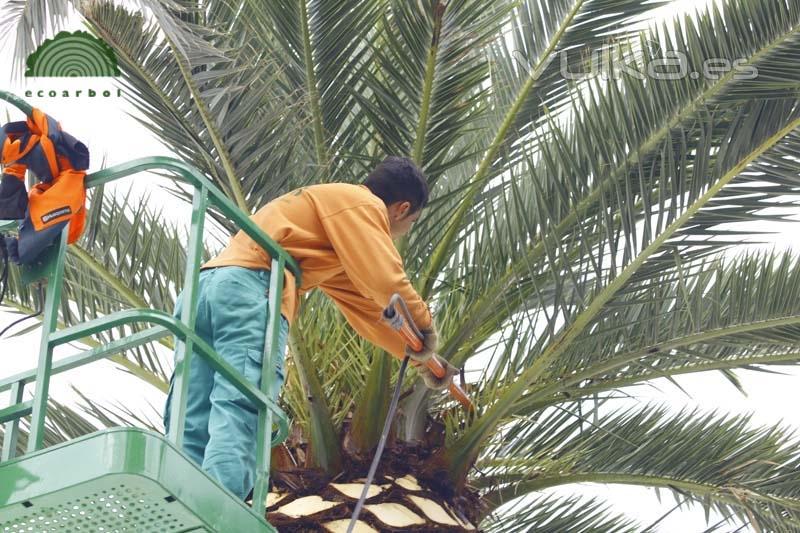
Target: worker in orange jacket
(341,236)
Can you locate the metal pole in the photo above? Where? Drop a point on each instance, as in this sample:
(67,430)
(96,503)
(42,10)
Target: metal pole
(43,369)
(11,432)
(381,443)
(264,426)
(183,350)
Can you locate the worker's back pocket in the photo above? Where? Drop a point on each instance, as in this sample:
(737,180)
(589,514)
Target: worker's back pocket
(254,362)
(252,365)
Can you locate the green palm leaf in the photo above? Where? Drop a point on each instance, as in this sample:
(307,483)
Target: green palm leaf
(555,514)
(754,130)
(225,109)
(565,24)
(701,317)
(725,463)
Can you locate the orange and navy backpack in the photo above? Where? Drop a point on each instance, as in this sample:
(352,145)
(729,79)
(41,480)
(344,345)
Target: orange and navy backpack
(59,161)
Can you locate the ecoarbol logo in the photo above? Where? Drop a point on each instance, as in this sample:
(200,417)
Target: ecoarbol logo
(91,93)
(75,54)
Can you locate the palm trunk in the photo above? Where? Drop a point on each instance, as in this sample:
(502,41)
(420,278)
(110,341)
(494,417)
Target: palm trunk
(393,504)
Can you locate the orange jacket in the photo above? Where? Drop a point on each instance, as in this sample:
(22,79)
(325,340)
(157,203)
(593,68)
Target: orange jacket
(339,235)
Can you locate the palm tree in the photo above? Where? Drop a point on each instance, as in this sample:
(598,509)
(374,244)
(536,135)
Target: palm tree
(573,247)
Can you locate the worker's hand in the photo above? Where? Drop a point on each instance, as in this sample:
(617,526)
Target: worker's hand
(435,383)
(429,345)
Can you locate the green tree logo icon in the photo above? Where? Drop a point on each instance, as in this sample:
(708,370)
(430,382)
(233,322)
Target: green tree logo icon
(74,55)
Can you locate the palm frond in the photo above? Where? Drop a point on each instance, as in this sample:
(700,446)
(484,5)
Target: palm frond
(323,48)
(324,451)
(725,463)
(61,423)
(127,241)
(557,514)
(373,405)
(118,415)
(217,113)
(29,23)
(534,86)
(64,423)
(430,78)
(588,150)
(725,146)
(573,173)
(717,315)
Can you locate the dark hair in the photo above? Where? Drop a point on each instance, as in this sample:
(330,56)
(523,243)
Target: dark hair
(398,179)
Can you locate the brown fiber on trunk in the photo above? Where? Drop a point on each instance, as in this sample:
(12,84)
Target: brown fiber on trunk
(400,479)
(391,493)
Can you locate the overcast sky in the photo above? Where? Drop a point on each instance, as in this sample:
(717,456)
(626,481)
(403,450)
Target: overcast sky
(104,125)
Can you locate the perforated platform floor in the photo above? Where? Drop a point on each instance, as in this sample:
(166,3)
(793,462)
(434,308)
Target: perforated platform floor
(123,479)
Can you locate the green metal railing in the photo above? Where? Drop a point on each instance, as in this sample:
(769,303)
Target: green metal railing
(50,267)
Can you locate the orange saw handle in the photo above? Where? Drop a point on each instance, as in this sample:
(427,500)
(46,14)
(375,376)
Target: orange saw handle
(399,318)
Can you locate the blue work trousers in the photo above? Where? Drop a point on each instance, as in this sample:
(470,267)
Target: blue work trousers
(220,427)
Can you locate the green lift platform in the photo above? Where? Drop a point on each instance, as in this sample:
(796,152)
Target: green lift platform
(132,479)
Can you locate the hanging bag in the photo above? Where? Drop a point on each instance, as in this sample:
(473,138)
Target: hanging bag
(59,162)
